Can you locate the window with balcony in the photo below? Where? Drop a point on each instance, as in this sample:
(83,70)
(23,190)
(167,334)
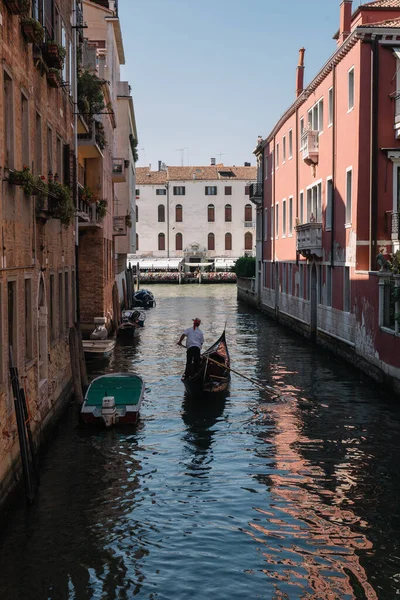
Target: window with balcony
(211,190)
(228,241)
(211,241)
(351,89)
(211,213)
(349,194)
(179,190)
(228,213)
(161,213)
(248,214)
(179,213)
(178,242)
(161,241)
(248,241)
(314,204)
(316,116)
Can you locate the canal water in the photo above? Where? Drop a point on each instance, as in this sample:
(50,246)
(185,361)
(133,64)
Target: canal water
(247,497)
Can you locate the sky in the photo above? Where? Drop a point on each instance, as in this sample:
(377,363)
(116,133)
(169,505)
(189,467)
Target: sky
(209,76)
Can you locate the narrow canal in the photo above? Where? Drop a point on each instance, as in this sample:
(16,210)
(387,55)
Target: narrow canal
(246,498)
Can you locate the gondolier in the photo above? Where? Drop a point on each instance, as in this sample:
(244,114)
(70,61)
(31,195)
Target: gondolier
(194,343)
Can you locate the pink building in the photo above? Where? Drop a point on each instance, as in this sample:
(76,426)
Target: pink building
(328,197)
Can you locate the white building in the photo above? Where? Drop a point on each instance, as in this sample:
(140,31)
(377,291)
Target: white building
(196,213)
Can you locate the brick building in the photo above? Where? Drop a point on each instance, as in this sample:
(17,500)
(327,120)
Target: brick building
(328,196)
(37,265)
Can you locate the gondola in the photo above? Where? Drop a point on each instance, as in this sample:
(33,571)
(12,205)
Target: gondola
(211,378)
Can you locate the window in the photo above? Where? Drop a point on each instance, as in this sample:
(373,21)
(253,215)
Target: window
(228,213)
(272,223)
(284,218)
(211,241)
(301,208)
(137,242)
(8,123)
(248,241)
(277,220)
(228,241)
(301,132)
(211,213)
(247,190)
(179,190)
(248,213)
(291,215)
(329,204)
(52,311)
(265,224)
(179,213)
(178,241)
(349,193)
(59,165)
(211,190)
(351,89)
(38,145)
(316,116)
(346,290)
(228,190)
(161,213)
(12,319)
(290,143)
(28,321)
(60,304)
(49,150)
(330,107)
(137,193)
(329,286)
(314,206)
(277,156)
(301,281)
(272,162)
(25,130)
(161,241)
(161,192)
(64,45)
(67,309)
(137,214)
(284,149)
(266,167)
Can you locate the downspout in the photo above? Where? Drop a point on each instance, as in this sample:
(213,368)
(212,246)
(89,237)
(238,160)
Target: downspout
(296,150)
(74,82)
(274,211)
(262,209)
(373,213)
(167,186)
(333,166)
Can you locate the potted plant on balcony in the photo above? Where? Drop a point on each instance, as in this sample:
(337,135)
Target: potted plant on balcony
(128,219)
(61,205)
(90,94)
(102,207)
(23,178)
(100,135)
(17,7)
(53,78)
(133,141)
(41,191)
(54,54)
(33,30)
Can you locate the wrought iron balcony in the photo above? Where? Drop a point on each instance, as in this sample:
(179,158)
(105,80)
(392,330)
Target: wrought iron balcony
(395,226)
(256,193)
(309,239)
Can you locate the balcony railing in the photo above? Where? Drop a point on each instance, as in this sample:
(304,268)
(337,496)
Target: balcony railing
(87,215)
(309,239)
(256,193)
(395,226)
(310,146)
(90,144)
(249,224)
(119,169)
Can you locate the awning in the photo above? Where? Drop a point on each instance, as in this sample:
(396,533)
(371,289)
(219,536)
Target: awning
(208,264)
(156,264)
(224,263)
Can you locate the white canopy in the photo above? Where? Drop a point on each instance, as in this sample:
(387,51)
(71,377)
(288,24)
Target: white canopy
(208,264)
(156,264)
(224,263)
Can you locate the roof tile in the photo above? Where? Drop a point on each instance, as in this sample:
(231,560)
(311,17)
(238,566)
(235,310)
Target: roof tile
(211,173)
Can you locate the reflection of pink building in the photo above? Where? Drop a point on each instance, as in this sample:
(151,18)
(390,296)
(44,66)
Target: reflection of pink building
(328,196)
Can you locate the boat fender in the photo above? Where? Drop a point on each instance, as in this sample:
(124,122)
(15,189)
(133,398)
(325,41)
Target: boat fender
(109,411)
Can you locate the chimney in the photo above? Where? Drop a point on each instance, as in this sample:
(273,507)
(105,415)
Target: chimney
(300,73)
(345,21)
(247,164)
(159,165)
(213,162)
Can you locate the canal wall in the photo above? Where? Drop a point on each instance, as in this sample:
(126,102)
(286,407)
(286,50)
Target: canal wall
(347,341)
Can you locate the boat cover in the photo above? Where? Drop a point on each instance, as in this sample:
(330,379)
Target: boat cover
(126,390)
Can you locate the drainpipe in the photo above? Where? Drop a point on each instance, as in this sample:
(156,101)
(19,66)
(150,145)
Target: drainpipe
(167,187)
(75,146)
(296,150)
(333,166)
(373,209)
(262,210)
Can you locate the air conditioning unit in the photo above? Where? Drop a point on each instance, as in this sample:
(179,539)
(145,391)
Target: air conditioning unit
(310,146)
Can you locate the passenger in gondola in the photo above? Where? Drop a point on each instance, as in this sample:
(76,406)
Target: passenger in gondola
(194,343)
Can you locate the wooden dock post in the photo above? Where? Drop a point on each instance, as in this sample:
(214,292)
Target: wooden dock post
(75,364)
(82,362)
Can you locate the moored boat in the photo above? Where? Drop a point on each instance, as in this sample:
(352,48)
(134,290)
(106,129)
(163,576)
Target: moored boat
(214,375)
(113,399)
(131,323)
(144,299)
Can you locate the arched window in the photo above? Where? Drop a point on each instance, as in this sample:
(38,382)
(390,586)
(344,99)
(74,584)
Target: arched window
(228,241)
(211,241)
(211,213)
(178,213)
(137,242)
(228,213)
(137,214)
(161,213)
(178,241)
(161,241)
(248,212)
(248,241)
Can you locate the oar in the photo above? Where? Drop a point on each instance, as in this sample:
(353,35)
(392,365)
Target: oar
(265,387)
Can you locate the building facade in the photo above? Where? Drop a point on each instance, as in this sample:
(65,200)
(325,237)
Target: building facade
(37,267)
(106,171)
(327,197)
(197,213)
